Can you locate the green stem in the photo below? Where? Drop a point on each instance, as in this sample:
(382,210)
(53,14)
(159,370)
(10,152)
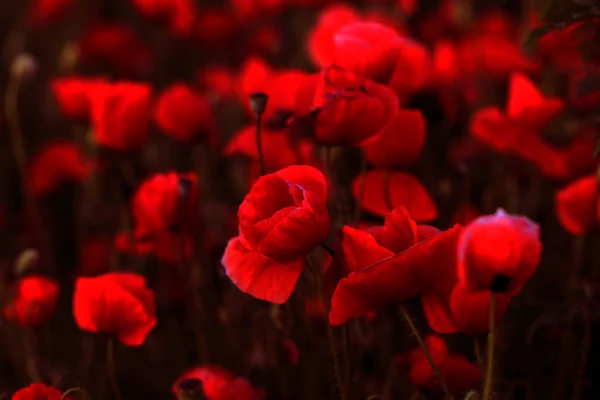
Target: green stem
(489,373)
(434,368)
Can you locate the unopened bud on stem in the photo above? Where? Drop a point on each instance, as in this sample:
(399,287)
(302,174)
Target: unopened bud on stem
(258,103)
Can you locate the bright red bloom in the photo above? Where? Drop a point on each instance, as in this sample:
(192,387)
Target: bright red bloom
(220,384)
(377,45)
(282,219)
(117,304)
(528,105)
(380,276)
(38,391)
(404,190)
(458,373)
(115,46)
(577,205)
(34,301)
(345,109)
(278,149)
(121,115)
(72,95)
(165,202)
(498,252)
(183,114)
(45,12)
(400,144)
(320,41)
(55,164)
(180,15)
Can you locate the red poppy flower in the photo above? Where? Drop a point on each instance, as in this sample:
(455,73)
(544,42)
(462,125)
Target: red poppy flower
(219,82)
(115,46)
(216,27)
(320,40)
(528,105)
(55,164)
(398,233)
(34,301)
(413,70)
(165,202)
(377,45)
(279,85)
(458,373)
(219,384)
(577,206)
(165,246)
(278,150)
(400,144)
(345,109)
(121,115)
(72,95)
(45,12)
(446,68)
(117,304)
(180,15)
(381,277)
(498,252)
(282,219)
(404,190)
(184,114)
(38,391)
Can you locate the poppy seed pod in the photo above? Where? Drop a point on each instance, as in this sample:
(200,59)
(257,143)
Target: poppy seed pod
(24,66)
(258,103)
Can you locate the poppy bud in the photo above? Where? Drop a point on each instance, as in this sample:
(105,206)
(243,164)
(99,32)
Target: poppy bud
(27,259)
(190,389)
(68,57)
(258,103)
(24,66)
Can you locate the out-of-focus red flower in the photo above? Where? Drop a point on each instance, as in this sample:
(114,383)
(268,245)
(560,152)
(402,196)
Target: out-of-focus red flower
(215,27)
(398,233)
(117,304)
(320,41)
(264,39)
(413,70)
(94,256)
(345,109)
(183,114)
(180,15)
(584,88)
(219,384)
(379,276)
(121,115)
(38,391)
(115,46)
(528,105)
(278,149)
(218,81)
(493,56)
(45,12)
(248,10)
(165,202)
(404,190)
(279,85)
(57,163)
(446,68)
(282,219)
(400,144)
(577,205)
(73,95)
(458,373)
(498,252)
(377,45)
(169,247)
(495,23)
(292,352)
(34,301)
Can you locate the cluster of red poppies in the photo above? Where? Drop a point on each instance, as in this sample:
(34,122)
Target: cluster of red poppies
(366,241)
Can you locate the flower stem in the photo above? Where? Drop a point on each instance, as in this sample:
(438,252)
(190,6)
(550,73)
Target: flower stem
(332,341)
(259,148)
(110,365)
(434,368)
(489,373)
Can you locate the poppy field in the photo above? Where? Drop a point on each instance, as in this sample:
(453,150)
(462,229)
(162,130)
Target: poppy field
(299,199)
